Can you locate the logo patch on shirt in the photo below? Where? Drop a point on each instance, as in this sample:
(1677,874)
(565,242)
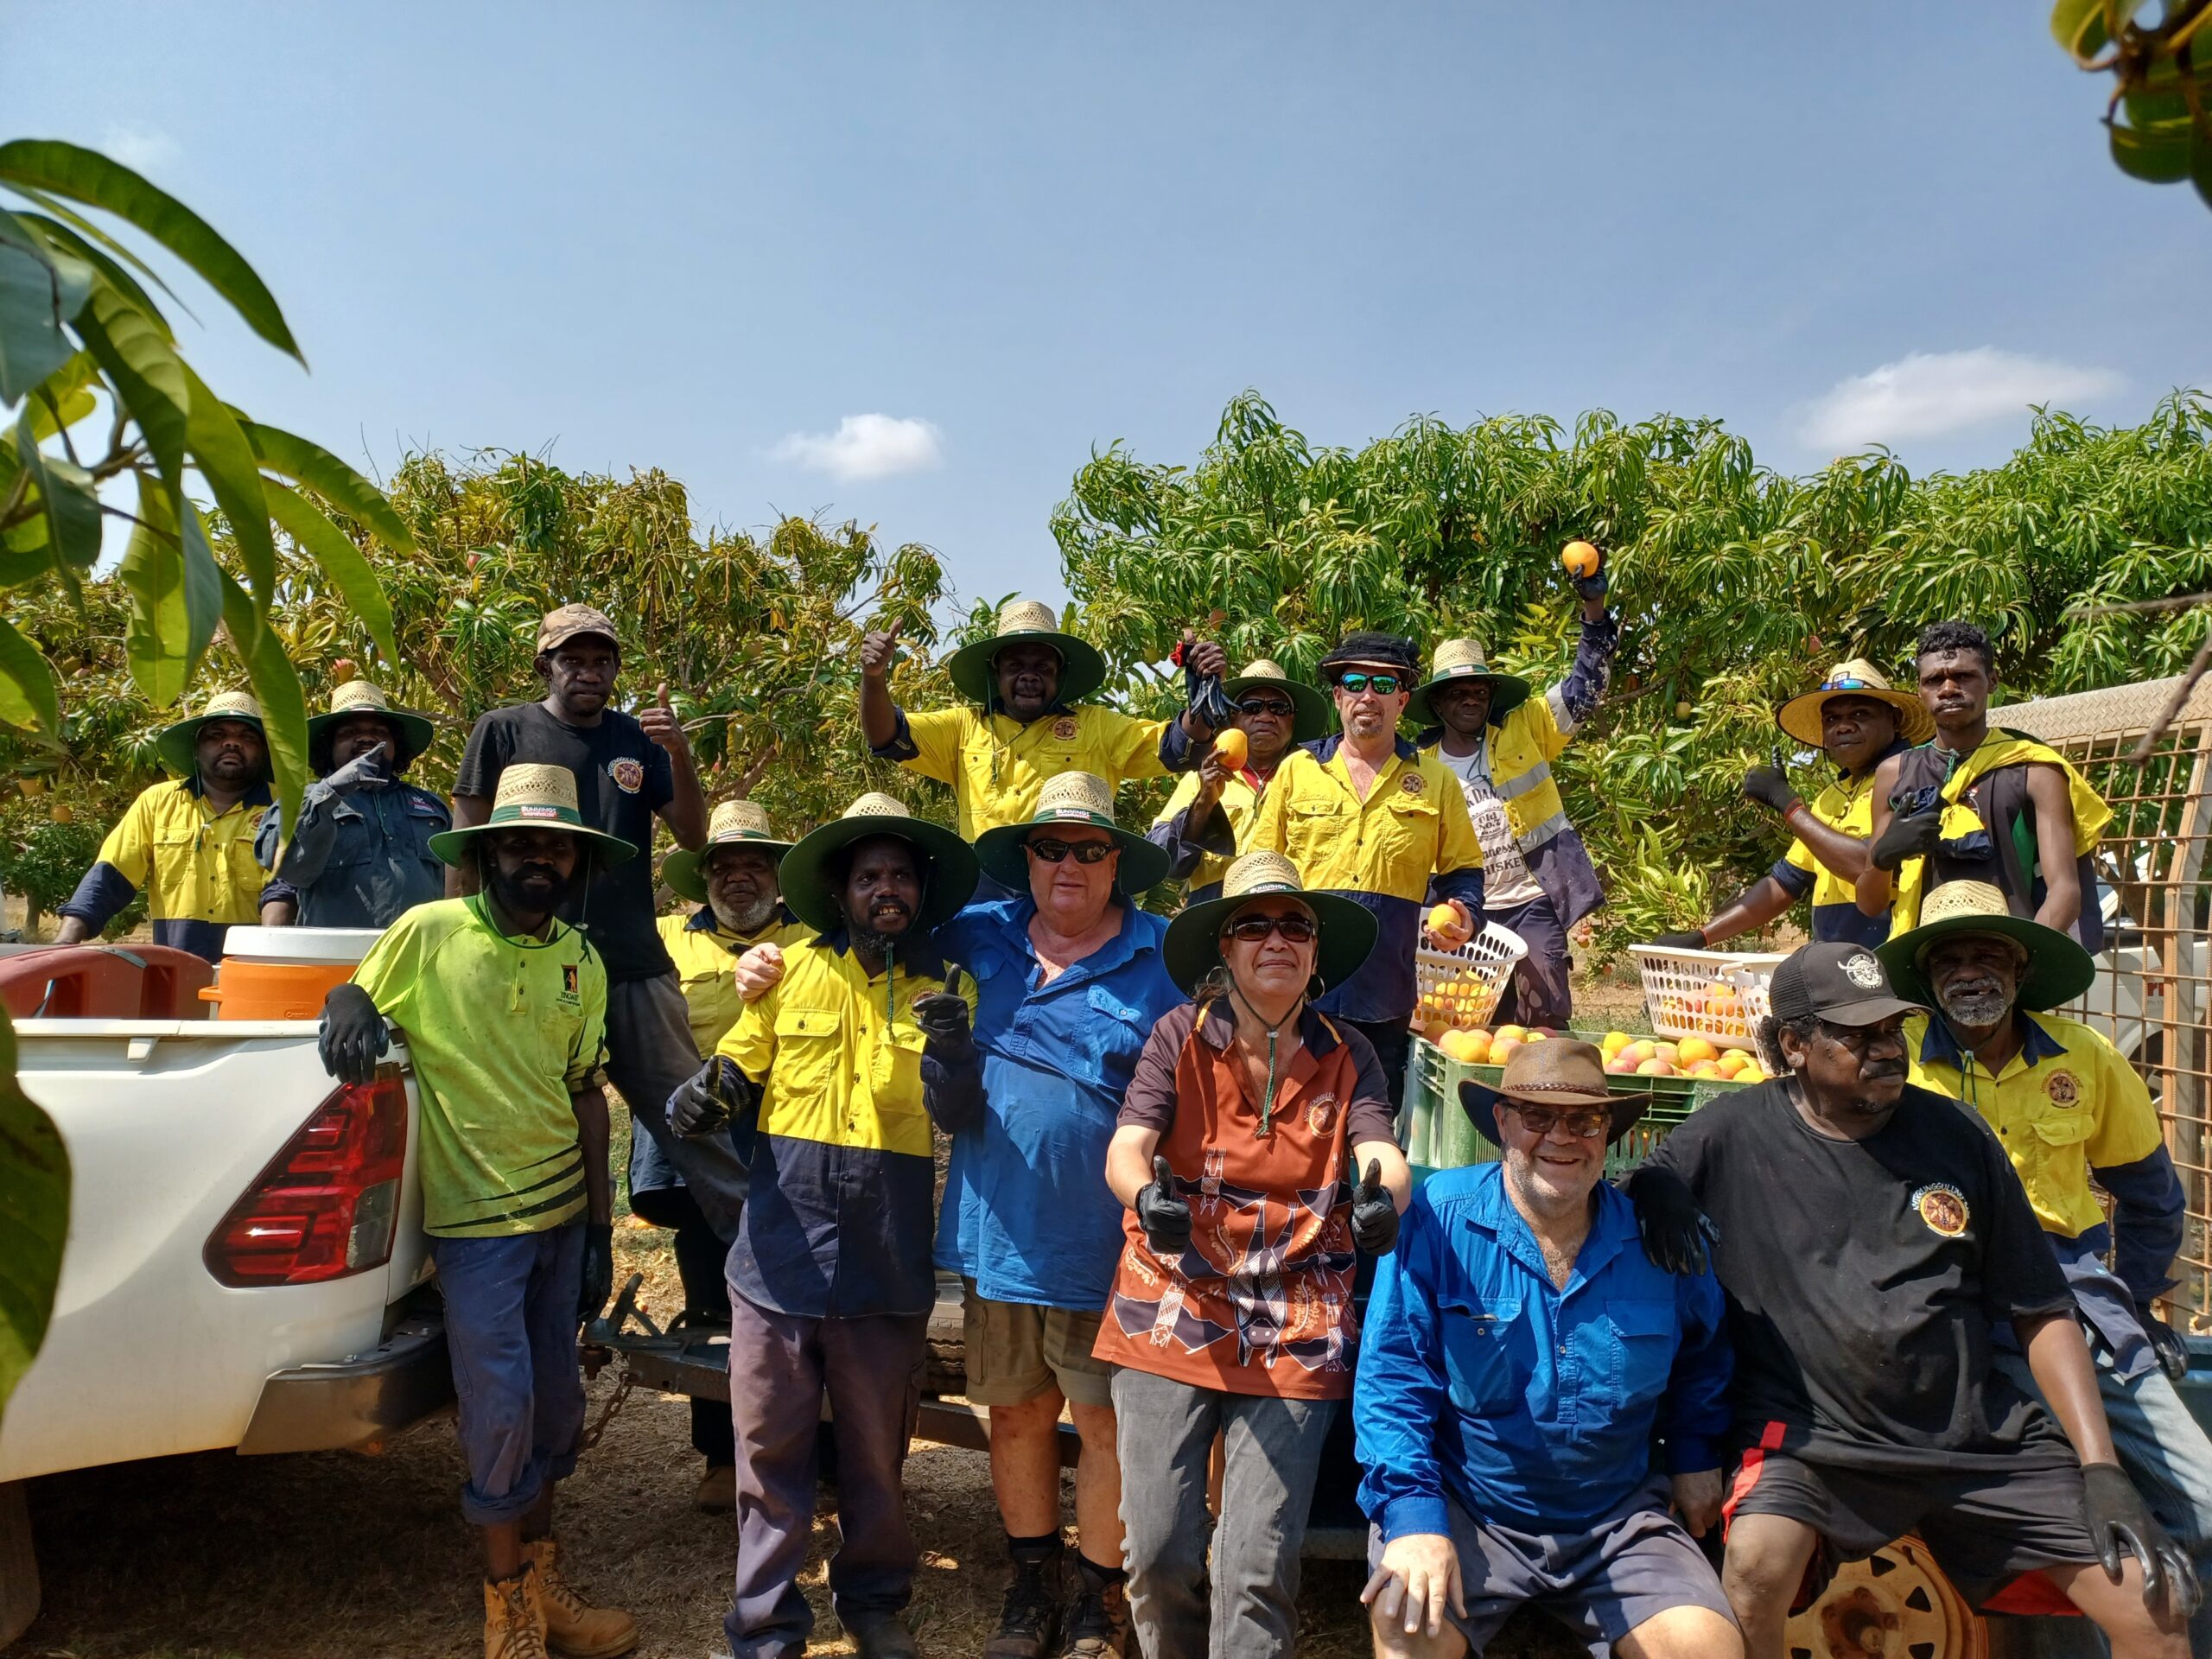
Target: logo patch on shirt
(1863,970)
(1943,1207)
(2062,1089)
(629,775)
(568,979)
(1321,1113)
(1064,728)
(1412,782)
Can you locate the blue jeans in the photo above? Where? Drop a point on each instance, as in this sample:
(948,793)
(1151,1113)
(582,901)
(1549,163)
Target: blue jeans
(2166,1453)
(511,1328)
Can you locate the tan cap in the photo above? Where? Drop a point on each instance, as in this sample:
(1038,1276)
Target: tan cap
(570,621)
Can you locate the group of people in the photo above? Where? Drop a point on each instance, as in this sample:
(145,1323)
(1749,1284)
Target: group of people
(1832,1309)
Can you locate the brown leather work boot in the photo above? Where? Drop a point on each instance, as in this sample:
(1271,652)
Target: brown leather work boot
(572,1626)
(514,1619)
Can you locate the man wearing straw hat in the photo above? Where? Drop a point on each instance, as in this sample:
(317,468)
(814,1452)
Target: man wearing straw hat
(2070,1108)
(1069,982)
(189,843)
(850,1053)
(503,1007)
(1208,820)
(733,881)
(1520,1357)
(1028,722)
(361,854)
(1858,720)
(1255,1156)
(1500,744)
(1364,814)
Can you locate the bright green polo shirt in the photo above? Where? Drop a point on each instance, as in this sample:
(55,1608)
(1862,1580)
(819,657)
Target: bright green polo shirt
(502,1031)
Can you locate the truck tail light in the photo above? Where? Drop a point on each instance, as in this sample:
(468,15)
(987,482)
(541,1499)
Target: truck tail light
(328,1203)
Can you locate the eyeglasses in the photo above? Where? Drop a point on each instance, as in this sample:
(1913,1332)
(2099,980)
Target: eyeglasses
(1381,684)
(1250,930)
(1275,706)
(1583,1122)
(1086,852)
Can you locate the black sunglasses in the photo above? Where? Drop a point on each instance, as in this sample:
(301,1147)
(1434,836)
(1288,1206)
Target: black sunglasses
(1381,684)
(1250,930)
(1086,852)
(1275,706)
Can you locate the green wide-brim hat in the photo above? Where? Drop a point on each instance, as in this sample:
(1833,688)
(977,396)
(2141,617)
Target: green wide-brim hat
(359,698)
(1464,660)
(1192,947)
(178,746)
(1312,715)
(1027,622)
(735,823)
(535,797)
(1070,798)
(949,882)
(2057,970)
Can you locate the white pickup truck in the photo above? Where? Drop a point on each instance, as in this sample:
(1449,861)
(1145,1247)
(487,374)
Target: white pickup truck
(245,1264)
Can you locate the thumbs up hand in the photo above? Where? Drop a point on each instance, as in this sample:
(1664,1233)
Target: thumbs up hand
(661,725)
(879,649)
(1165,1217)
(1374,1213)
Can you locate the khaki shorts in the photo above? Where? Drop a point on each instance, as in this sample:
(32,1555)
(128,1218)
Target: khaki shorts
(1017,1350)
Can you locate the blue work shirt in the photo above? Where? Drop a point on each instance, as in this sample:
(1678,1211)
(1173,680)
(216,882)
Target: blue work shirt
(1027,1214)
(1534,1407)
(358,860)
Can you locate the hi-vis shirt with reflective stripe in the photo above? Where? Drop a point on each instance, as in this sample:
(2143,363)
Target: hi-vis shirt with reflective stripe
(997,766)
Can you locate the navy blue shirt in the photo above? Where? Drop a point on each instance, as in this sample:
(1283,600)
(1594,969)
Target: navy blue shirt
(357,860)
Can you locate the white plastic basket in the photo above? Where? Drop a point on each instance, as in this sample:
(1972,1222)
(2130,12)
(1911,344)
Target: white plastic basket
(1481,966)
(1715,995)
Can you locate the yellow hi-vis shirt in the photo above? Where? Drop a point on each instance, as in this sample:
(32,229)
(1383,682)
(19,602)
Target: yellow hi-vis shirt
(2068,1103)
(1240,804)
(502,1031)
(706,955)
(1847,805)
(1413,825)
(192,865)
(996,767)
(1999,749)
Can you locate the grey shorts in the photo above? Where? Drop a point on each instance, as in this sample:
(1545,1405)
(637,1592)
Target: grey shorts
(1601,1583)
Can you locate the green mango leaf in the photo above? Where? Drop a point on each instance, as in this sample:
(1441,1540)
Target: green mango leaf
(68,388)
(86,177)
(344,564)
(2079,26)
(28,698)
(86,229)
(2200,168)
(2156,154)
(315,467)
(59,238)
(146,374)
(276,688)
(39,292)
(227,462)
(175,595)
(33,1220)
(68,497)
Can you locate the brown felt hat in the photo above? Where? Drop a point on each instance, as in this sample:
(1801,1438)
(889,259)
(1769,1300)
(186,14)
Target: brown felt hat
(1558,1072)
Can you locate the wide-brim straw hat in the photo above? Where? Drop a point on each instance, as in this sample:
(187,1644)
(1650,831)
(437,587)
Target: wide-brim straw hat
(1068,798)
(1027,622)
(1800,717)
(1464,660)
(416,731)
(735,823)
(178,744)
(535,797)
(1311,715)
(2056,971)
(948,881)
(1558,1072)
(1192,947)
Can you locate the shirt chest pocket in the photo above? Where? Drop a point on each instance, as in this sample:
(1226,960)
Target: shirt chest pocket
(2053,1125)
(421,822)
(1479,1369)
(810,1051)
(1117,1034)
(895,1069)
(1405,853)
(1640,1341)
(1316,827)
(560,1025)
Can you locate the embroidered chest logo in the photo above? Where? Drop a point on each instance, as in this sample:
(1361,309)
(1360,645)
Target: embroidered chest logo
(2062,1089)
(569,992)
(629,775)
(1064,728)
(1321,1114)
(1413,783)
(1943,1207)
(1863,971)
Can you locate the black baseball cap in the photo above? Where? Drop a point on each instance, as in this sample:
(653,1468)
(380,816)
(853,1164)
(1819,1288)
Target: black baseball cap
(1842,983)
(1364,649)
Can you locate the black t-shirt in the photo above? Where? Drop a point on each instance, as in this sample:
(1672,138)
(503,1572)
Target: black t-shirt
(1863,1279)
(622,778)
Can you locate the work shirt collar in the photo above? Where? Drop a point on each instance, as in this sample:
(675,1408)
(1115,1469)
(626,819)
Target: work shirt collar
(919,959)
(258,796)
(1611,1228)
(1324,749)
(997,708)
(1013,915)
(1939,1047)
(1219,1028)
(702,921)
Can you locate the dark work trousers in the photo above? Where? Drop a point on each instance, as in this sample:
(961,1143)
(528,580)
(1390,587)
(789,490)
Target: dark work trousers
(1539,993)
(781,1366)
(1393,1042)
(701,1255)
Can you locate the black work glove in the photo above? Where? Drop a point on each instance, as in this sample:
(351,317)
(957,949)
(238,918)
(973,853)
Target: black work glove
(2121,1525)
(368,771)
(1374,1213)
(598,1283)
(2172,1352)
(1202,693)
(1676,1231)
(1165,1218)
(354,1036)
(944,1018)
(1690,939)
(1769,785)
(709,1098)
(1908,835)
(1594,587)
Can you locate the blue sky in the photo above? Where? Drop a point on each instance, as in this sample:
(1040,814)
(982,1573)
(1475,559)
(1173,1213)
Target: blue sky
(910,264)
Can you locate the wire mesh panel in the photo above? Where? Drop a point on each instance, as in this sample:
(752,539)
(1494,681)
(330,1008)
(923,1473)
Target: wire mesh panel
(2152,993)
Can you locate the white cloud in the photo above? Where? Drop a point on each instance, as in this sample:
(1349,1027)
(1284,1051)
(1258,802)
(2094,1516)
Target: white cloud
(1927,393)
(866,446)
(141,148)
